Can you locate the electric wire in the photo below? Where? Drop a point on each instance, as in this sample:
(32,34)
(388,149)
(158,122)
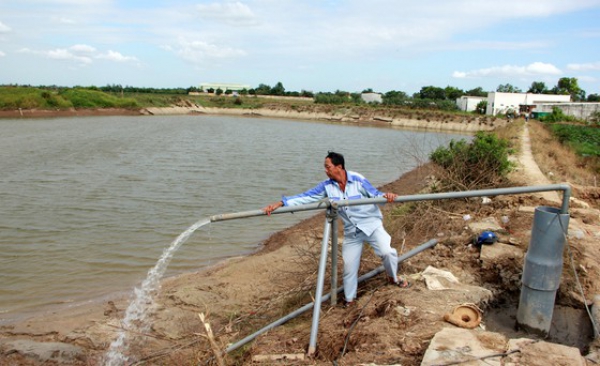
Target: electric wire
(579,286)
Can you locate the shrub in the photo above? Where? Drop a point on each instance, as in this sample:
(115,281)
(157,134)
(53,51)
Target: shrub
(483,163)
(584,140)
(86,98)
(557,115)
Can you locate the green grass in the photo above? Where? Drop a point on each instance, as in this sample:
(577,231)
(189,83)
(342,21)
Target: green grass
(27,97)
(585,140)
(15,97)
(86,98)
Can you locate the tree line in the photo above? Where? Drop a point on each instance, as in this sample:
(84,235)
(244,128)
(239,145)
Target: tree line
(429,97)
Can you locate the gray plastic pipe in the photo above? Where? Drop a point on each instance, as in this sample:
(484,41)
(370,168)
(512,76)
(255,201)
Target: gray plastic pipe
(542,270)
(429,244)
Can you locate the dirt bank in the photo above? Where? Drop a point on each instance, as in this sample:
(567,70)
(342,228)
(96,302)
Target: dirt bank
(49,113)
(386,117)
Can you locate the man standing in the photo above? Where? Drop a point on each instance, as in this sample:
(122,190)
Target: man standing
(362,223)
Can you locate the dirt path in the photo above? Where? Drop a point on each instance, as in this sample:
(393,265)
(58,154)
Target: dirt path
(530,169)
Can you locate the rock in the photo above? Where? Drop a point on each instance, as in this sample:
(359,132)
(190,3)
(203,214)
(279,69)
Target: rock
(490,254)
(45,352)
(540,353)
(478,347)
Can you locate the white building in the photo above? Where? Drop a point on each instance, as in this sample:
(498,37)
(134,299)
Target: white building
(223,86)
(520,102)
(371,97)
(468,103)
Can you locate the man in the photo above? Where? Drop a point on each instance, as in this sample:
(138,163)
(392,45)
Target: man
(362,223)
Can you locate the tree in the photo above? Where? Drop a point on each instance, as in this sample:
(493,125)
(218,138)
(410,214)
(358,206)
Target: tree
(593,98)
(394,97)
(571,87)
(432,92)
(453,93)
(508,88)
(477,92)
(481,107)
(278,89)
(538,87)
(263,89)
(307,94)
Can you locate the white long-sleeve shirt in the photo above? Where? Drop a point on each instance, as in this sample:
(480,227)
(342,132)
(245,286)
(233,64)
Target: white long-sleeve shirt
(366,218)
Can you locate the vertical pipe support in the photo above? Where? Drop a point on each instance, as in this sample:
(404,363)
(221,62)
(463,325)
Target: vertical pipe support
(542,270)
(334,255)
(312,346)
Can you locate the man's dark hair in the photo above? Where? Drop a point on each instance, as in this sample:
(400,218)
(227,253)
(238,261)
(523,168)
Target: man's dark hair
(336,159)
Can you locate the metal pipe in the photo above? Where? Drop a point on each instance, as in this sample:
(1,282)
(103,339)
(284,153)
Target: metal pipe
(429,244)
(466,194)
(312,345)
(326,297)
(334,257)
(326,203)
(323,204)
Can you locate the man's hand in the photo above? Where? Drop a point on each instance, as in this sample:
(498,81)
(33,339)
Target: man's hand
(390,196)
(272,207)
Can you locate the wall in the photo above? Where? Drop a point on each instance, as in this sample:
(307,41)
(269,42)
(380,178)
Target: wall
(581,111)
(468,103)
(501,102)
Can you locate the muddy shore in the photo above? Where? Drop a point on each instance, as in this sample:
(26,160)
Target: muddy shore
(463,125)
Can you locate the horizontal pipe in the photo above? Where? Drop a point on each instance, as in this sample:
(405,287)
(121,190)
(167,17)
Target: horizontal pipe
(325,203)
(466,194)
(305,308)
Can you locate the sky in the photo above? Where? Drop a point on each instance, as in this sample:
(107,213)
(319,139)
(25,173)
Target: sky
(313,45)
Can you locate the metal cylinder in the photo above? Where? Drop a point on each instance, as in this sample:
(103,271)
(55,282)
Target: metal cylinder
(542,270)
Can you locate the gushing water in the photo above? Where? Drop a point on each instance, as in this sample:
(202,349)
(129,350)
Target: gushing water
(139,309)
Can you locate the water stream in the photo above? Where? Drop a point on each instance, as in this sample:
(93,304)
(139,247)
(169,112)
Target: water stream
(135,320)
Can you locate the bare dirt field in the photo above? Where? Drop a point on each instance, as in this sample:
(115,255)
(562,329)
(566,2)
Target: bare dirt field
(388,325)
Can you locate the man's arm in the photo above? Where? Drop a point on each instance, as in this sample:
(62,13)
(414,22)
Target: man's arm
(272,207)
(312,195)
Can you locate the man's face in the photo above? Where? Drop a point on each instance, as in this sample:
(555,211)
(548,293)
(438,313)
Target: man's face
(333,171)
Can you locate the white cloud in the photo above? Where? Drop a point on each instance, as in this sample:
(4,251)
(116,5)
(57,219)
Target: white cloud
(63,20)
(80,53)
(64,54)
(4,28)
(232,13)
(116,56)
(58,54)
(536,68)
(2,54)
(592,66)
(83,48)
(200,51)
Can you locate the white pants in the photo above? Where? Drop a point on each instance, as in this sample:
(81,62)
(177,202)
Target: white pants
(352,250)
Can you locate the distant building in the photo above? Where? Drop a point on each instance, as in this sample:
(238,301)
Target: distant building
(371,97)
(468,103)
(223,86)
(579,110)
(521,102)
